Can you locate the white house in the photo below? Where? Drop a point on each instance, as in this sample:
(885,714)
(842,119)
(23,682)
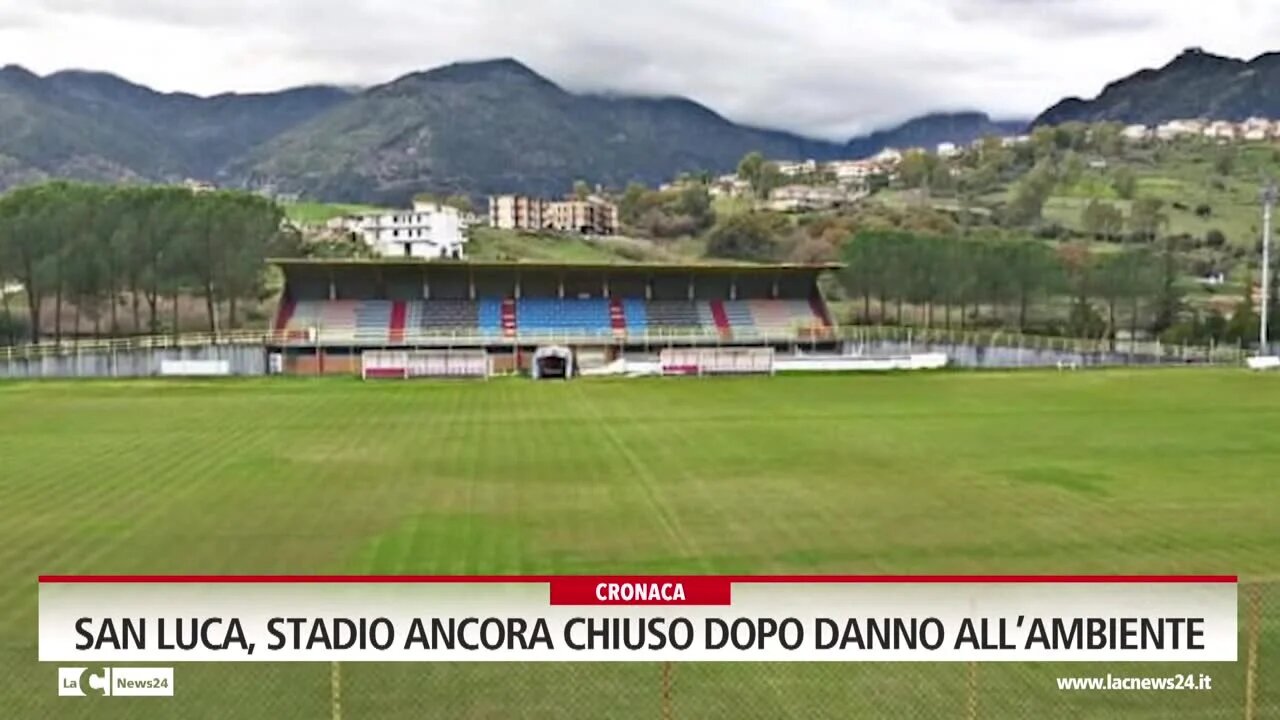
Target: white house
(1180,128)
(792,168)
(853,171)
(793,198)
(428,231)
(1256,129)
(1220,129)
(947,150)
(888,156)
(1135,133)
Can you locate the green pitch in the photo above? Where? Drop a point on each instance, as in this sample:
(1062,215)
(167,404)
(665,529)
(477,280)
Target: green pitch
(1091,472)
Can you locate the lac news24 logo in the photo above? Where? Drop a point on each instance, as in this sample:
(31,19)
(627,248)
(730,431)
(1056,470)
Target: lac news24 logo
(115,682)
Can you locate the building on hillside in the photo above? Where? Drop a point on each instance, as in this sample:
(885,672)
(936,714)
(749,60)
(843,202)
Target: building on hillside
(515,212)
(1180,128)
(1136,133)
(729,186)
(792,168)
(426,231)
(888,156)
(947,150)
(1256,129)
(800,198)
(854,172)
(1220,130)
(199,186)
(591,216)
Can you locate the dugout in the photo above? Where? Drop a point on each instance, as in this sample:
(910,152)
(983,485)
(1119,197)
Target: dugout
(552,363)
(332,310)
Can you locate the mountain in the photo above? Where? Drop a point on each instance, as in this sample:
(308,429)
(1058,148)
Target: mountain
(96,126)
(1194,84)
(929,130)
(475,128)
(497,126)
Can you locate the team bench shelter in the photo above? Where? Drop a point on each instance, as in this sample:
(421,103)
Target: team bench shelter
(333,312)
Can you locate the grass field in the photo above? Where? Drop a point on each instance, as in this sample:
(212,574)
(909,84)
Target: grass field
(1173,471)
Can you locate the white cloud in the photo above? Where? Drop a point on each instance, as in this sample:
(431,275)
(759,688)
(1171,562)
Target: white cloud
(825,67)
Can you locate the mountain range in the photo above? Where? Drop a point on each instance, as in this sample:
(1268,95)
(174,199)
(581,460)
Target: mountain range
(1195,84)
(481,127)
(492,126)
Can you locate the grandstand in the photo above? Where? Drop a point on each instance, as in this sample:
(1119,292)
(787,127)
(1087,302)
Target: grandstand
(330,310)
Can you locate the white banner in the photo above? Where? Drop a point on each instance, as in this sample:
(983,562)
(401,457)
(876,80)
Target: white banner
(539,619)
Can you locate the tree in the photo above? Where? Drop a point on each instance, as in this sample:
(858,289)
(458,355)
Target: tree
(1102,220)
(581,190)
(1072,169)
(1078,265)
(1147,218)
(461,203)
(1106,139)
(761,175)
(1031,193)
(744,236)
(1224,162)
(1125,182)
(917,168)
(85,246)
(750,166)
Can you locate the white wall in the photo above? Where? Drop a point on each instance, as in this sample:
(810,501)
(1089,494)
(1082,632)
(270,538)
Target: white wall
(427,230)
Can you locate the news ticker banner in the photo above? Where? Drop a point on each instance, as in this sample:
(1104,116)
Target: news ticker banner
(97,619)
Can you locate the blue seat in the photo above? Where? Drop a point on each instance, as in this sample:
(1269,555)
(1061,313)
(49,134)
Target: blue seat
(567,316)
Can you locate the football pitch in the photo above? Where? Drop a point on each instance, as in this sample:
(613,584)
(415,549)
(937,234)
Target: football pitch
(1156,471)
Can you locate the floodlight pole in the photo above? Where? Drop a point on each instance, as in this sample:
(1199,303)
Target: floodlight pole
(1269,194)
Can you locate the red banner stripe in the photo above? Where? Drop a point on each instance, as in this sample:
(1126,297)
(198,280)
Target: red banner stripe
(818,579)
(692,590)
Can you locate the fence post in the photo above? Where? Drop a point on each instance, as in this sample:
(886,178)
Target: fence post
(335,690)
(1254,629)
(666,690)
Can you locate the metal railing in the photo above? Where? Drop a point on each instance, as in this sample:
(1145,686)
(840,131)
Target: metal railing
(854,336)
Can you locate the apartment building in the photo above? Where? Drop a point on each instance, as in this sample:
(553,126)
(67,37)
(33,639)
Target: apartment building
(515,212)
(590,216)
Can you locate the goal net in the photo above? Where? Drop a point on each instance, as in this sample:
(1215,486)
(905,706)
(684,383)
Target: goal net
(408,364)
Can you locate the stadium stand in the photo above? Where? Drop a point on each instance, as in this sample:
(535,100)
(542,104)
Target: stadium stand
(347,306)
(381,322)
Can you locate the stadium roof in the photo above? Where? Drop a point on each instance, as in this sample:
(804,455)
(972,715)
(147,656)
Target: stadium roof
(711,267)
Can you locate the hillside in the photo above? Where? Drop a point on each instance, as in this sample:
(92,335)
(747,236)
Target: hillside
(929,130)
(1194,84)
(496,127)
(472,128)
(95,126)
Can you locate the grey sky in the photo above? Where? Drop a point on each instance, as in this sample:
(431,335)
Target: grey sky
(829,68)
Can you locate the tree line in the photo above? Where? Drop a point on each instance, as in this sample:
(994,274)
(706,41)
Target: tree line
(116,253)
(1017,283)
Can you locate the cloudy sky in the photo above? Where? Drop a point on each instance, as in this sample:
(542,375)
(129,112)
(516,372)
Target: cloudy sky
(830,68)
